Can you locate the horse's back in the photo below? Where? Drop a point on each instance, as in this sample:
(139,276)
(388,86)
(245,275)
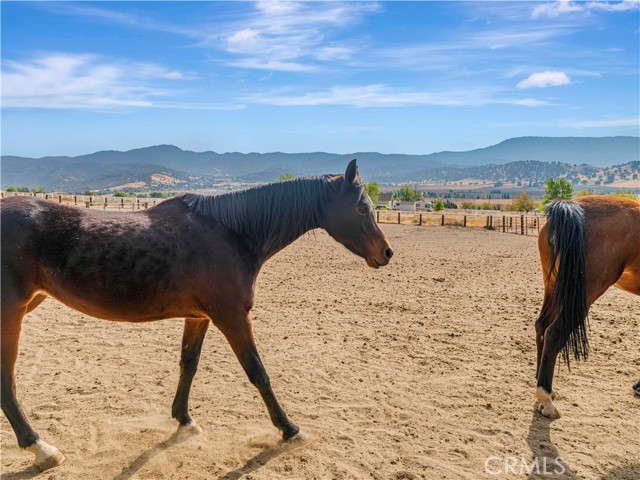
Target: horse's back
(611,239)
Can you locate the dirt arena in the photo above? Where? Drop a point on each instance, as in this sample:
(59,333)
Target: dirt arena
(421,370)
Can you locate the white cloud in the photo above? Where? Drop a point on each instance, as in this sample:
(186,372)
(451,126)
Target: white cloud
(562,7)
(615,122)
(544,79)
(62,80)
(378,95)
(290,36)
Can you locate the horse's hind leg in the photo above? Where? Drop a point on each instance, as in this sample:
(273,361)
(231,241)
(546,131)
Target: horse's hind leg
(239,333)
(192,339)
(47,456)
(550,350)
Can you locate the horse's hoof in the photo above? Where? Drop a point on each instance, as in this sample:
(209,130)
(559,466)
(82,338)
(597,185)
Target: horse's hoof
(47,456)
(549,412)
(188,429)
(290,432)
(299,437)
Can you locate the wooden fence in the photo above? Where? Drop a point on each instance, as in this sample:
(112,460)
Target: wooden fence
(516,224)
(102,202)
(507,223)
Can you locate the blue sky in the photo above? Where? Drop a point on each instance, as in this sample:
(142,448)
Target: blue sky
(403,77)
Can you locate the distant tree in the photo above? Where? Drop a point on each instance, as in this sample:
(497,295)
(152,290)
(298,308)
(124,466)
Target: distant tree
(120,193)
(90,193)
(439,205)
(286,176)
(450,204)
(622,193)
(18,189)
(407,194)
(373,190)
(559,189)
(38,190)
(523,203)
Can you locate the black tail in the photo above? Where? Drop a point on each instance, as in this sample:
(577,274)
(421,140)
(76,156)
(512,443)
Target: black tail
(566,239)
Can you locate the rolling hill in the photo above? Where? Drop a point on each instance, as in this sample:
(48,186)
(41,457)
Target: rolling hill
(527,159)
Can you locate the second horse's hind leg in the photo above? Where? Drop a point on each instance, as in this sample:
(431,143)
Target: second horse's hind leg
(192,339)
(550,350)
(47,456)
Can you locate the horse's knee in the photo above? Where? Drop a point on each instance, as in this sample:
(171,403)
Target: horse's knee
(189,366)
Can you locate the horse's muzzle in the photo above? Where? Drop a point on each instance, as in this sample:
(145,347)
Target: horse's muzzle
(373,262)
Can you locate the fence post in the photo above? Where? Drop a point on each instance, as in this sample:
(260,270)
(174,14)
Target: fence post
(377,216)
(88,204)
(521,224)
(59,198)
(464,222)
(420,222)
(504,223)
(75,200)
(443,220)
(46,197)
(398,218)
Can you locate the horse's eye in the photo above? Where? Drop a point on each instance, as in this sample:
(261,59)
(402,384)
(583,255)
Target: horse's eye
(363,210)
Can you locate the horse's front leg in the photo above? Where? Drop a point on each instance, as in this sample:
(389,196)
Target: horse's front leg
(239,333)
(192,339)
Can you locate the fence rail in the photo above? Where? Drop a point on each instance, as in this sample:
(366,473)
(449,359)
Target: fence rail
(507,223)
(103,202)
(516,224)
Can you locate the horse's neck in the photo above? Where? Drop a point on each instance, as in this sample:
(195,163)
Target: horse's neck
(295,222)
(270,217)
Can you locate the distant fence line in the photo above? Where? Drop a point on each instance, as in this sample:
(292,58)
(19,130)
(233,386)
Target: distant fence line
(103,202)
(516,224)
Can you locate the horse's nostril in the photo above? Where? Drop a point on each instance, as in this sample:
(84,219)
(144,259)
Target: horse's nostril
(388,253)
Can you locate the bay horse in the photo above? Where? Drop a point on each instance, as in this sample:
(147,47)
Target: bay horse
(195,257)
(586,246)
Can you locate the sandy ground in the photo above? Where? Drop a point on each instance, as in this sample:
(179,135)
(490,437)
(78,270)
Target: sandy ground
(423,369)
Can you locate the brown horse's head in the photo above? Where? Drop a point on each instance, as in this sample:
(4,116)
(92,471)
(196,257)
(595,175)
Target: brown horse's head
(349,219)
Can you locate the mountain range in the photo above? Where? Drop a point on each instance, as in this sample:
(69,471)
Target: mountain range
(586,160)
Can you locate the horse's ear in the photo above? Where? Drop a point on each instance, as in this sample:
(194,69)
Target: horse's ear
(351,173)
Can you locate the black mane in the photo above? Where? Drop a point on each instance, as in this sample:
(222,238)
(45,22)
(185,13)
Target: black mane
(271,215)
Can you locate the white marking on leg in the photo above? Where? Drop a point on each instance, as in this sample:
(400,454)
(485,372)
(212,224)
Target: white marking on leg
(191,428)
(47,456)
(546,406)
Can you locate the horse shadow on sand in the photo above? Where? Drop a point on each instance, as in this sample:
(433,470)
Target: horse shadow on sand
(545,451)
(259,460)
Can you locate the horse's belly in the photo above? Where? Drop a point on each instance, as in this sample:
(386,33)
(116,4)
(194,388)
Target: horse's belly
(123,304)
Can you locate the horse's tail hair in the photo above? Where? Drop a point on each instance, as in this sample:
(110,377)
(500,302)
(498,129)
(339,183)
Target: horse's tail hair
(566,227)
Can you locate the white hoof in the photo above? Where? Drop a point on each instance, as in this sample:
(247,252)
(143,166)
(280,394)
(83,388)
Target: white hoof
(546,406)
(47,456)
(299,437)
(191,428)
